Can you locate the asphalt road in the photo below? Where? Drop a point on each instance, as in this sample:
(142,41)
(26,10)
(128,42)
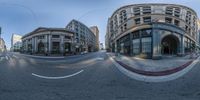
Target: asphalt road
(99,79)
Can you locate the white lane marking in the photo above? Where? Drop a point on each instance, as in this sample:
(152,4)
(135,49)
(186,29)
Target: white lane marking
(99,58)
(60,77)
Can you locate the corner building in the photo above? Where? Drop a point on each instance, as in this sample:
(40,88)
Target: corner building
(153,30)
(48,41)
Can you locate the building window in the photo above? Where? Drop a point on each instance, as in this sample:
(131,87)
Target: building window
(137,21)
(188,17)
(169,11)
(40,37)
(168,20)
(136,34)
(176,22)
(146,10)
(123,16)
(136,46)
(186,28)
(125,26)
(146,45)
(189,31)
(147,19)
(136,11)
(177,12)
(121,29)
(146,33)
(67,37)
(55,36)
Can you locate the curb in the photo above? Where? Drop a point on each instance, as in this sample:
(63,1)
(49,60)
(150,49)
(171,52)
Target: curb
(41,57)
(154,79)
(158,73)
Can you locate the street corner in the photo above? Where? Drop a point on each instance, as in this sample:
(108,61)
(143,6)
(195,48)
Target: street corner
(154,70)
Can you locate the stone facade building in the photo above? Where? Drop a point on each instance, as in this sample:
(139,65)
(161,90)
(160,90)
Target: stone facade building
(48,41)
(2,45)
(95,30)
(16,43)
(84,38)
(152,30)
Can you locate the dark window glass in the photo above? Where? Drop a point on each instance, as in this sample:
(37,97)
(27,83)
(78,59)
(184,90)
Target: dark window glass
(146,33)
(168,20)
(176,22)
(136,11)
(169,11)
(67,37)
(137,21)
(55,36)
(147,10)
(147,19)
(136,34)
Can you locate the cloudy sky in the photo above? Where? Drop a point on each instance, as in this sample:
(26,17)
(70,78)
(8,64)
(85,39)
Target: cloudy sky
(23,16)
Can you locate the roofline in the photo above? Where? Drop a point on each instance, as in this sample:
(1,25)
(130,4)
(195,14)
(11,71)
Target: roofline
(152,4)
(80,23)
(95,27)
(47,29)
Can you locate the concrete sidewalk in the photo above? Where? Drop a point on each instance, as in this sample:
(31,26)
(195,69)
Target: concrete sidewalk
(165,66)
(39,56)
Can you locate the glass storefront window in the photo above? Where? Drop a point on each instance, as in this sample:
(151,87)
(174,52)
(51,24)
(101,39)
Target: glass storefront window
(136,34)
(146,45)
(122,48)
(145,33)
(136,46)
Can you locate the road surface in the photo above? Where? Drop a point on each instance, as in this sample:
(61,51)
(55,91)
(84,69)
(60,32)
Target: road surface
(85,77)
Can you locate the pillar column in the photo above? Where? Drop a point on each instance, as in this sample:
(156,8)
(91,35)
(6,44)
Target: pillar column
(115,46)
(46,43)
(156,44)
(62,44)
(32,44)
(36,44)
(131,44)
(49,43)
(27,45)
(182,44)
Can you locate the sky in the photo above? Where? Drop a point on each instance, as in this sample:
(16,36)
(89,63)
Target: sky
(23,16)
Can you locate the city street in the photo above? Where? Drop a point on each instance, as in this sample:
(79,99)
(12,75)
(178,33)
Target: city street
(91,76)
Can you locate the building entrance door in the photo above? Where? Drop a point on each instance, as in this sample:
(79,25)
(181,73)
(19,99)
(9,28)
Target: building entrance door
(56,47)
(170,45)
(40,48)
